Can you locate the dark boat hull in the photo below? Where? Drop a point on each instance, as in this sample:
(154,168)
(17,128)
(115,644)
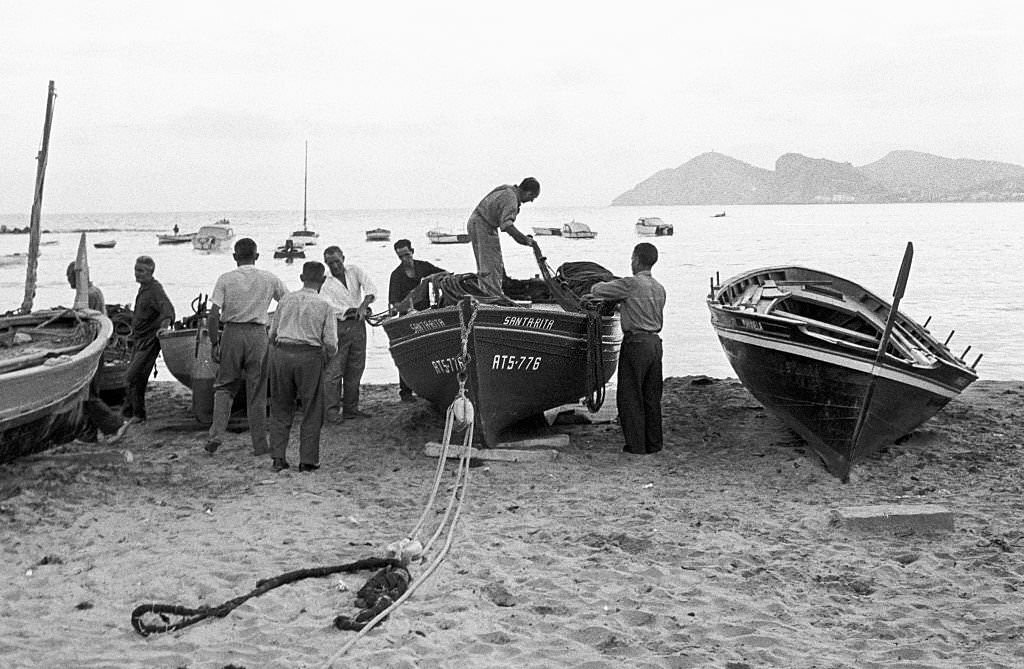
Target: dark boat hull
(522,361)
(815,376)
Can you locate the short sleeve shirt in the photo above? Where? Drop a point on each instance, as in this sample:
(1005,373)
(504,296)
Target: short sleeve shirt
(244,294)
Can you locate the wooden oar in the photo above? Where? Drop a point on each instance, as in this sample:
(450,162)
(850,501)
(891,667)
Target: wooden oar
(897,295)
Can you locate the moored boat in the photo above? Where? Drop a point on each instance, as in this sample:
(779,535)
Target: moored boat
(176,239)
(378,235)
(289,251)
(105,244)
(547,231)
(305,236)
(840,366)
(214,237)
(576,230)
(442,236)
(652,226)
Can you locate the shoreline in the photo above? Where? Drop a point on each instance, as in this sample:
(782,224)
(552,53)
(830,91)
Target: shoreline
(718,552)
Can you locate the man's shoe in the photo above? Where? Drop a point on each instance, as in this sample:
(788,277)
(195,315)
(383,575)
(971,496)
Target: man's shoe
(349,415)
(212,445)
(280,464)
(304,467)
(118,435)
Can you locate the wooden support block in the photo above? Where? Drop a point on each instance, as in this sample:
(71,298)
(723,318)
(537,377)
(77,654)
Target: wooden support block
(433,449)
(895,518)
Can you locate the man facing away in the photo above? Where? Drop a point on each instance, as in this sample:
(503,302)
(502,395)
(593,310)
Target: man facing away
(497,212)
(153,313)
(303,337)
(350,291)
(405,278)
(642,307)
(101,420)
(241,299)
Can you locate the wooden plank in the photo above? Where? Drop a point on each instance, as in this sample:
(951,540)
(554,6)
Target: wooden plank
(433,449)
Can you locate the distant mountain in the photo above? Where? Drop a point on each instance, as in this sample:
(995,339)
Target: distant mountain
(901,176)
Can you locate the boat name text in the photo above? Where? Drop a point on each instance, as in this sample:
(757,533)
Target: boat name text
(427,325)
(529,322)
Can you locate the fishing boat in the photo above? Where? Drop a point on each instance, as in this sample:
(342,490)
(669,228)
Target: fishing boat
(111,379)
(543,231)
(176,239)
(522,358)
(718,215)
(214,237)
(305,236)
(442,236)
(378,235)
(839,365)
(576,230)
(289,251)
(105,244)
(652,226)
(12,259)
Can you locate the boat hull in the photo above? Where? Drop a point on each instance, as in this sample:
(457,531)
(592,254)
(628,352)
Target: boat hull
(42,405)
(816,377)
(178,348)
(523,361)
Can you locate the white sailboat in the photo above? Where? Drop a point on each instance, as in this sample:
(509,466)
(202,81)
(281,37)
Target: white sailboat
(305,236)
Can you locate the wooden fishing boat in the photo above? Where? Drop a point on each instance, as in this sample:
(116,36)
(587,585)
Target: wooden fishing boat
(178,348)
(47,360)
(577,230)
(442,236)
(378,235)
(523,360)
(839,365)
(176,239)
(111,379)
(214,237)
(652,226)
(543,231)
(105,244)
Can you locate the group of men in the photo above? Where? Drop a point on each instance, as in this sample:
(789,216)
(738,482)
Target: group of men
(312,353)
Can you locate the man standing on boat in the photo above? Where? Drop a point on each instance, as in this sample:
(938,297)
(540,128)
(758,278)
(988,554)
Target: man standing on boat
(638,393)
(303,337)
(153,313)
(404,279)
(350,291)
(241,299)
(497,212)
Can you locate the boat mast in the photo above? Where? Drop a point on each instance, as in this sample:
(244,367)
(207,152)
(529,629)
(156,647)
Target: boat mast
(37,206)
(305,184)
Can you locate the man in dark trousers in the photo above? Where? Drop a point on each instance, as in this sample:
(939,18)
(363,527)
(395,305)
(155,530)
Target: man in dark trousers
(642,307)
(404,278)
(153,313)
(496,212)
(303,337)
(241,299)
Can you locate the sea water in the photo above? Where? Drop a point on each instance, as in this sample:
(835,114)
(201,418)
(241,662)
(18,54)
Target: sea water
(964,276)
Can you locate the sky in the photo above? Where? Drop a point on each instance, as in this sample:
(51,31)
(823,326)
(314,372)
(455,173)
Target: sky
(207,106)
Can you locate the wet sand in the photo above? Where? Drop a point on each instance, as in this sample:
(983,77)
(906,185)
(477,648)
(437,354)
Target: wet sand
(721,551)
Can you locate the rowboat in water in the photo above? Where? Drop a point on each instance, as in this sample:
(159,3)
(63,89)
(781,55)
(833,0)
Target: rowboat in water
(839,365)
(176,238)
(442,236)
(652,226)
(378,235)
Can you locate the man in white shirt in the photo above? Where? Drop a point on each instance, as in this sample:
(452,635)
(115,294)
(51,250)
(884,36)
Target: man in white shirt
(350,291)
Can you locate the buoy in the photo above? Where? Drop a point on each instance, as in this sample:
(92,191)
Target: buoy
(204,371)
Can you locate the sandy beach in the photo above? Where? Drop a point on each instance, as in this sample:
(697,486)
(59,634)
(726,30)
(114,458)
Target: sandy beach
(721,551)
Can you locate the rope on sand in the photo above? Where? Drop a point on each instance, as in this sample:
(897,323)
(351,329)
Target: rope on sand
(460,414)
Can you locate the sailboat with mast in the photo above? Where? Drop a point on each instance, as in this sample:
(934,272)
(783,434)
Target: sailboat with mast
(305,236)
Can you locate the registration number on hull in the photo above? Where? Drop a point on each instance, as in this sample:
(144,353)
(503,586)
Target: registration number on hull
(528,363)
(446,366)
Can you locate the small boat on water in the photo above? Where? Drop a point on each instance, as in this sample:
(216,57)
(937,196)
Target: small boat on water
(378,235)
(442,236)
(289,251)
(576,230)
(214,237)
(840,366)
(176,239)
(105,244)
(652,226)
(544,231)
(12,259)
(719,215)
(305,236)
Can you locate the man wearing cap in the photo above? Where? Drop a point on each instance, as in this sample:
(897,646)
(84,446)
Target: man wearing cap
(497,212)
